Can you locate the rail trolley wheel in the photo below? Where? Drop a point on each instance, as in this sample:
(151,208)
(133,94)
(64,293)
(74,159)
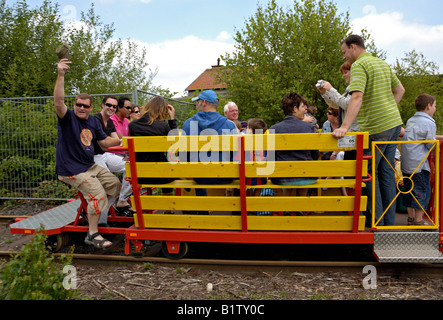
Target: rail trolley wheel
(58,241)
(174,250)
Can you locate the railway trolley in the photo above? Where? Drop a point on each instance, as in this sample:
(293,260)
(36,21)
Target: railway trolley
(233,213)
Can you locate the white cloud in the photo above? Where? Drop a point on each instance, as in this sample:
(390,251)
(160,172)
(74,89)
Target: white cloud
(224,36)
(181,61)
(392,33)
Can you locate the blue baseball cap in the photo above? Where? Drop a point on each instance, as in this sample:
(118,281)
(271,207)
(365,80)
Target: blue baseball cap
(207,95)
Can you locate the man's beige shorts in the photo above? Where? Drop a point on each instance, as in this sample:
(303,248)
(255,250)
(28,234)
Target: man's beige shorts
(96,185)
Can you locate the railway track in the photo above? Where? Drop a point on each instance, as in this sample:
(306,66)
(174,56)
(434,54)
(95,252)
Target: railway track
(239,265)
(5,219)
(224,265)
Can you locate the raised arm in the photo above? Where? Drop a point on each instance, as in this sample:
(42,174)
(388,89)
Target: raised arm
(59,89)
(353,110)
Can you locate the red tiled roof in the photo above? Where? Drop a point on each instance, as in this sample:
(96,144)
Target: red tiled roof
(207,80)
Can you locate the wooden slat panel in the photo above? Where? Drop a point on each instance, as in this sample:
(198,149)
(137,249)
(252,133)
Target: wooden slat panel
(299,141)
(333,204)
(329,168)
(344,168)
(321,183)
(184,170)
(233,223)
(337,204)
(190,203)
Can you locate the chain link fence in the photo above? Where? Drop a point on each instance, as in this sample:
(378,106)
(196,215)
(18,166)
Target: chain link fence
(28,136)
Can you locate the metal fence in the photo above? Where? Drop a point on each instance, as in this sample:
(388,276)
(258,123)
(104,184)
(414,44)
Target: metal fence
(28,136)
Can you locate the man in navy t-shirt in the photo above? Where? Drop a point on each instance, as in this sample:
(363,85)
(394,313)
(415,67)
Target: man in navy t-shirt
(76,134)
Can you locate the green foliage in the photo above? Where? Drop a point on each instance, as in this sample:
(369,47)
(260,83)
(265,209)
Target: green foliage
(28,133)
(419,76)
(28,41)
(33,275)
(282,50)
(55,190)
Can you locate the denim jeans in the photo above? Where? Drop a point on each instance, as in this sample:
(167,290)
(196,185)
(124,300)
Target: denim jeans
(384,178)
(421,191)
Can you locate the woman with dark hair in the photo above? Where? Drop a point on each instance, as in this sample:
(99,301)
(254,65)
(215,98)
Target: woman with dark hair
(153,123)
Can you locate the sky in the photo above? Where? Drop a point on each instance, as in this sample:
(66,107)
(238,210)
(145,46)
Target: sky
(185,37)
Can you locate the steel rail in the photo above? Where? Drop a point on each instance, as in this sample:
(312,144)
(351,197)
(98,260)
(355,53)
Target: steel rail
(411,270)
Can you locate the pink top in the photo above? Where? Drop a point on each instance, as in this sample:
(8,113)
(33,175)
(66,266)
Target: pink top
(121,126)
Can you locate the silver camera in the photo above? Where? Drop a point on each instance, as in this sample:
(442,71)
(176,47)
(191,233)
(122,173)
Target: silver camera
(320,84)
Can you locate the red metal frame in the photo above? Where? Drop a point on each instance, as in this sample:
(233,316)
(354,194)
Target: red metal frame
(172,237)
(441,198)
(136,236)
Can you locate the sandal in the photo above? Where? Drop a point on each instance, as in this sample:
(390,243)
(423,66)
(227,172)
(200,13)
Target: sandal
(99,244)
(411,221)
(421,223)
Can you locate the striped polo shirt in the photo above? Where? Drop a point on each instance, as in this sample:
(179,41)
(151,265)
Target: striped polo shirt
(379,111)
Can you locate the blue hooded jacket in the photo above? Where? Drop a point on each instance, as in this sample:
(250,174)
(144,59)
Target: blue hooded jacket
(209,120)
(209,123)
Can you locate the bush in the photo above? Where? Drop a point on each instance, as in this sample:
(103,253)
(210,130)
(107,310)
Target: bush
(33,275)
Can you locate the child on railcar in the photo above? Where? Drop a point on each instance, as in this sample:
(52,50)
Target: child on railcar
(416,171)
(256,126)
(420,127)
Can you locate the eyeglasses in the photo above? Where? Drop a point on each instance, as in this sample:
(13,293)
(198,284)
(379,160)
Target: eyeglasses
(110,105)
(79,105)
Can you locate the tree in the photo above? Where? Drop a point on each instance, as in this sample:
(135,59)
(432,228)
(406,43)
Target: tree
(418,76)
(30,36)
(287,49)
(283,50)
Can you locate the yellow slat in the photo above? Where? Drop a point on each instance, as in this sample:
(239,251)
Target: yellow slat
(321,183)
(209,203)
(184,170)
(344,168)
(232,223)
(329,203)
(299,141)
(190,203)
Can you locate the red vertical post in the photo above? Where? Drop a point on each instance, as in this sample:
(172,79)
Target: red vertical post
(441,194)
(358,182)
(134,183)
(242,176)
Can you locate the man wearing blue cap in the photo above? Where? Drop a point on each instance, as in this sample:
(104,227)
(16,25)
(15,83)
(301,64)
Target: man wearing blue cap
(207,117)
(207,121)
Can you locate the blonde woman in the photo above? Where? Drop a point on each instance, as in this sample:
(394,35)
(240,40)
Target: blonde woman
(152,122)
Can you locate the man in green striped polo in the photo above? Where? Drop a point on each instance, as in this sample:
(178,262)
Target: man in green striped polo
(376,93)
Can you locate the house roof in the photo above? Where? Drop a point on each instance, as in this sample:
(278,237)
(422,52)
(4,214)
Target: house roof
(207,80)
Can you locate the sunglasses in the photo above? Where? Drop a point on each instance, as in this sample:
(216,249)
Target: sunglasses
(79,105)
(332,114)
(110,105)
(128,108)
